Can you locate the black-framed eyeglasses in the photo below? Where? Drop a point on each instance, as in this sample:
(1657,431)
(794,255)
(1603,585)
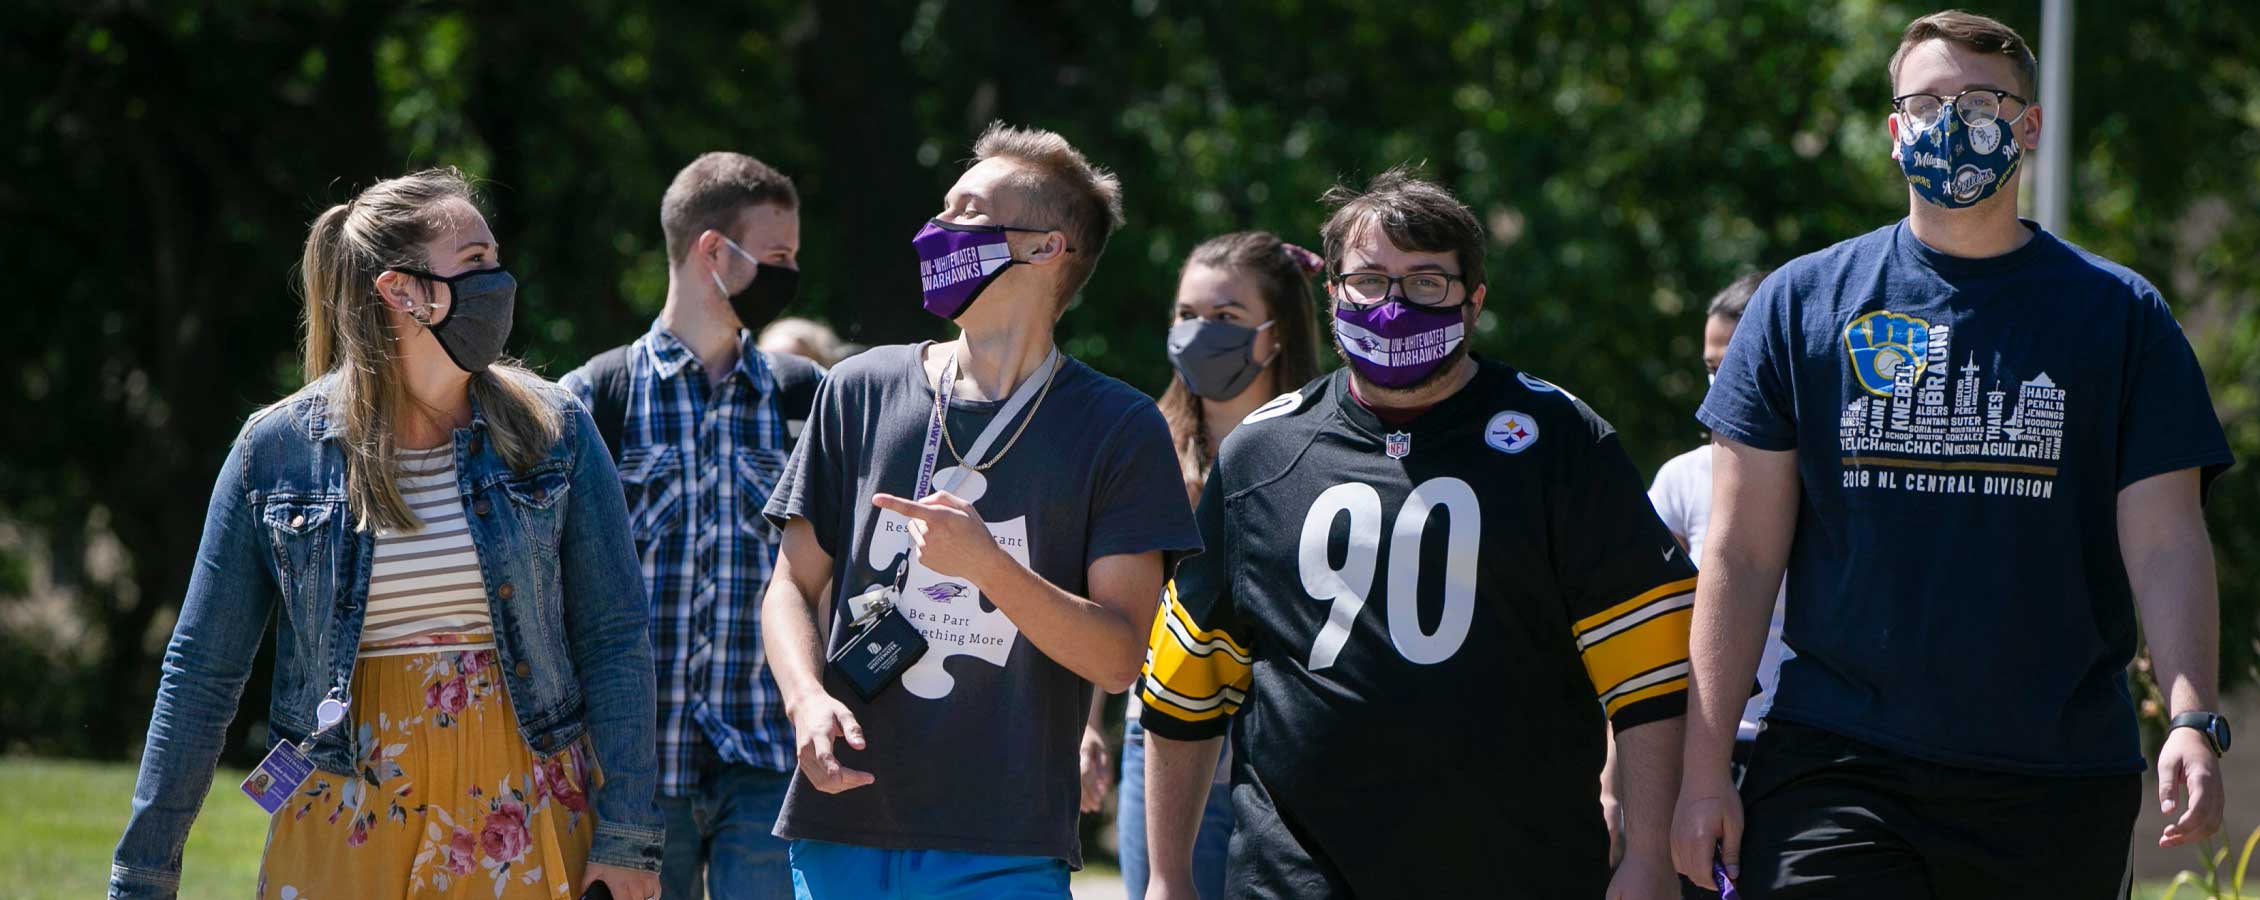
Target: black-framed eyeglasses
(1977,107)
(1419,288)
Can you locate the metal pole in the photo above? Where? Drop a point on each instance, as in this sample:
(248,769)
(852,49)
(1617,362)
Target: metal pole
(2053,165)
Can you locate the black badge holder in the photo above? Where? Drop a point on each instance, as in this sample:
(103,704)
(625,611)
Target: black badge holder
(881,644)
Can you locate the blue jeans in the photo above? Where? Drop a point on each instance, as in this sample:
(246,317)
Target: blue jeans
(827,871)
(1209,847)
(724,830)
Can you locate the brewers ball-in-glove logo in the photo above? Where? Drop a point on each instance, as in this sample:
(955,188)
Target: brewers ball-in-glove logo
(1880,342)
(1930,418)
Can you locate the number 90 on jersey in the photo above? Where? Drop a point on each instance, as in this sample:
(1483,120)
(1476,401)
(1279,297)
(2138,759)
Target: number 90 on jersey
(1347,587)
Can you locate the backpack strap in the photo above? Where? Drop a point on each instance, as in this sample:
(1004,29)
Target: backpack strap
(607,375)
(796,381)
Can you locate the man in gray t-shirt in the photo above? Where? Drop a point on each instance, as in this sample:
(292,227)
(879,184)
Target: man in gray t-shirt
(1036,568)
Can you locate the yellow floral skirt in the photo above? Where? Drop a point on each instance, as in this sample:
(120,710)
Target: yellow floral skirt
(449,801)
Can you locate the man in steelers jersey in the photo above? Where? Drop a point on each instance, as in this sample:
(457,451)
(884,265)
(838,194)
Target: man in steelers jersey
(1429,578)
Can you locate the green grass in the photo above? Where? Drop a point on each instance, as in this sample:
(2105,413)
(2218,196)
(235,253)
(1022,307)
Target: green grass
(64,819)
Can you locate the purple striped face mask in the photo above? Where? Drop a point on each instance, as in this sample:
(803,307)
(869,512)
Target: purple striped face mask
(957,262)
(1395,344)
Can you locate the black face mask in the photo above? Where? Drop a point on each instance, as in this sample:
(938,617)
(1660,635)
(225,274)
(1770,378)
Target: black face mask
(478,318)
(763,298)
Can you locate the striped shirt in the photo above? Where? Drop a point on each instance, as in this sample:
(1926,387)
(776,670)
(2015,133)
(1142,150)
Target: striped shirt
(425,591)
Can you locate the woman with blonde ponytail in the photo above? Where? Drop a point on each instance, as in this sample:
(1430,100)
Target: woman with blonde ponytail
(462,701)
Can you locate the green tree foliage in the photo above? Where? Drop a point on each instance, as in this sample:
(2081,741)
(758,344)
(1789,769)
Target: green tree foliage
(1628,158)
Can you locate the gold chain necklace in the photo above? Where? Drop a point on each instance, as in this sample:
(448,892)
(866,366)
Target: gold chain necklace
(1016,433)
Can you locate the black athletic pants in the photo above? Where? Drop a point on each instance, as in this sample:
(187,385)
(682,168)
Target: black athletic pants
(1827,817)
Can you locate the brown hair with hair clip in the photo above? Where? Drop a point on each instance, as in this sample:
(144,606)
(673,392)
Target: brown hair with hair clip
(1282,273)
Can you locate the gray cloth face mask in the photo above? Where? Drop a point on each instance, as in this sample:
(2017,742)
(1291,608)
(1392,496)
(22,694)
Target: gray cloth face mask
(478,318)
(1216,359)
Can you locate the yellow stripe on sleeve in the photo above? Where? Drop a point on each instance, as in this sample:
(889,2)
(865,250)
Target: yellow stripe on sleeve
(1659,641)
(1193,674)
(1155,701)
(1673,686)
(1620,610)
(1193,635)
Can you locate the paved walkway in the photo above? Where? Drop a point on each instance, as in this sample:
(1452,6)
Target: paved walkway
(1099,886)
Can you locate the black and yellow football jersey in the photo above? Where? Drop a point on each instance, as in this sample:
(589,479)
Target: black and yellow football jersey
(1413,635)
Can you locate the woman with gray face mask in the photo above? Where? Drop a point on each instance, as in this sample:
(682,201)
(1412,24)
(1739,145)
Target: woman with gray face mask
(1243,333)
(439,538)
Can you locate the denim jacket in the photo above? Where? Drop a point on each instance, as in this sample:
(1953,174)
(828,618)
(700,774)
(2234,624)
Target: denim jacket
(280,541)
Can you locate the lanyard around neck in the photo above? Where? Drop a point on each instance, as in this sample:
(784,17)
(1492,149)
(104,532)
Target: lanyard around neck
(943,393)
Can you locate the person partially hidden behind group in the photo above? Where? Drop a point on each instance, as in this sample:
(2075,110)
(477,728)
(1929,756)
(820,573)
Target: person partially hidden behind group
(440,539)
(1243,332)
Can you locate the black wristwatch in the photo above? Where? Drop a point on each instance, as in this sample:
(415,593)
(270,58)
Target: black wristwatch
(2214,726)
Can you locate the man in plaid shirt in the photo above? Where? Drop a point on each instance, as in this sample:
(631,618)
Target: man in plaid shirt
(700,424)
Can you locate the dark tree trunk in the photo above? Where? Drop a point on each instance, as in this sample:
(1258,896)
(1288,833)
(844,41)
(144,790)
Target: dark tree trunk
(872,193)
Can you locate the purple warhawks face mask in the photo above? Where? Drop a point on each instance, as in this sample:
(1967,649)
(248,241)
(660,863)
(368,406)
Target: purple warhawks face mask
(957,262)
(1395,344)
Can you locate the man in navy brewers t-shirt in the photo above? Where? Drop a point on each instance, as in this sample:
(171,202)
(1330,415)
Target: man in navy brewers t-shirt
(1981,452)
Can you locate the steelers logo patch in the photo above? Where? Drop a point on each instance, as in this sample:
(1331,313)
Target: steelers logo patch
(1511,432)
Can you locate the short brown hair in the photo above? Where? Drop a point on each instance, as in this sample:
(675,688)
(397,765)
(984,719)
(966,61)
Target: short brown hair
(1064,190)
(1969,31)
(1413,213)
(713,191)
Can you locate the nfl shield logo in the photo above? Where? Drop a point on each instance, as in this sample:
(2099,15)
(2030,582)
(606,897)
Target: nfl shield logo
(1398,444)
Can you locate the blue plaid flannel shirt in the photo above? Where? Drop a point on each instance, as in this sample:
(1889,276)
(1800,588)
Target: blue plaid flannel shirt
(697,466)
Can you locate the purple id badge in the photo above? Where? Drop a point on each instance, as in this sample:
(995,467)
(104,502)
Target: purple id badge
(1726,885)
(286,767)
(277,777)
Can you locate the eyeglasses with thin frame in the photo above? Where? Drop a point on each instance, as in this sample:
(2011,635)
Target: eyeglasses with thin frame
(1977,107)
(1363,289)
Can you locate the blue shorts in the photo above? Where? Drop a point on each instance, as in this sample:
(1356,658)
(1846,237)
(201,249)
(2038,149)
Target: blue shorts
(827,871)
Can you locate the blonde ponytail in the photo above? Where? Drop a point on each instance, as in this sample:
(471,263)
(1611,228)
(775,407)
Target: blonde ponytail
(347,335)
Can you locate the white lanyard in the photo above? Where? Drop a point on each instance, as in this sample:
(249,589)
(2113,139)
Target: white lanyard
(934,425)
(868,604)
